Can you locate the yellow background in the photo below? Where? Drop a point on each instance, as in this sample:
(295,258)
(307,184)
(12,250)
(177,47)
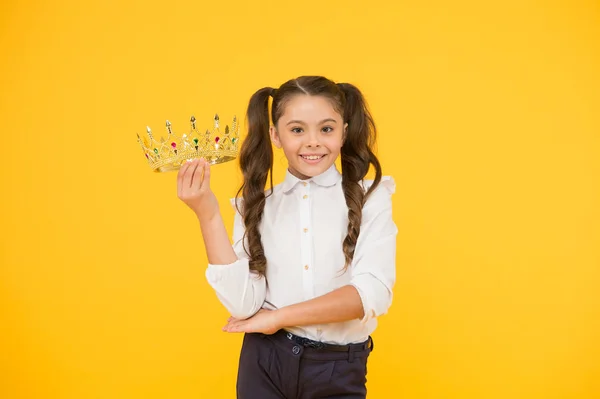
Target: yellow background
(489,120)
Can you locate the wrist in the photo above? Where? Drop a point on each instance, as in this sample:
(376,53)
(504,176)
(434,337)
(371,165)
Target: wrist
(207,217)
(282,317)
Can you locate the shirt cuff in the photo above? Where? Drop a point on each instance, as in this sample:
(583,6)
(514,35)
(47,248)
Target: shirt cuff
(239,289)
(220,274)
(368,290)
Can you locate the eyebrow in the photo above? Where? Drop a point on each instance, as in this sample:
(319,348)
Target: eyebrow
(302,123)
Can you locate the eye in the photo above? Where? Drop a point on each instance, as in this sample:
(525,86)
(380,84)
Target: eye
(327,129)
(297,129)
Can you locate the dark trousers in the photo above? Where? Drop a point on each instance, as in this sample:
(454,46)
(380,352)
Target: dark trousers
(277,367)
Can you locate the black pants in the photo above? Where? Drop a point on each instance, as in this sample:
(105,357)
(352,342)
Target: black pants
(277,367)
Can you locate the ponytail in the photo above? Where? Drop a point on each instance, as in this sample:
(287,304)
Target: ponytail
(356,158)
(256,164)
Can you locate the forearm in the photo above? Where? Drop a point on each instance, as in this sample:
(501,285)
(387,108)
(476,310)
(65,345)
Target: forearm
(216,240)
(340,305)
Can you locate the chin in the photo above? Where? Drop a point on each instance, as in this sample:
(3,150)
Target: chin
(309,170)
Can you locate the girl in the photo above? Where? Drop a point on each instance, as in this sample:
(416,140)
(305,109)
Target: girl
(312,263)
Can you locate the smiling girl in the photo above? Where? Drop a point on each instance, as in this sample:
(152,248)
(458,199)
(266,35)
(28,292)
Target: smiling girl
(312,263)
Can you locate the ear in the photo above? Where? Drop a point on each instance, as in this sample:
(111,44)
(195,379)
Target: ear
(345,132)
(274,137)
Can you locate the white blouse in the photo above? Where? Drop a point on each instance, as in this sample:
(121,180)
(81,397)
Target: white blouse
(302,229)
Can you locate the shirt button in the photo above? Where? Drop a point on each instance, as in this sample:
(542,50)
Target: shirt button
(305,267)
(304,183)
(306,230)
(319,330)
(305,196)
(296,350)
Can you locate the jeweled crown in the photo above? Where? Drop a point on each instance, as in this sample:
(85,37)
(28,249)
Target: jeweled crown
(169,153)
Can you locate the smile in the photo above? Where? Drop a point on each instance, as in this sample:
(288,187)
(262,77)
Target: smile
(312,157)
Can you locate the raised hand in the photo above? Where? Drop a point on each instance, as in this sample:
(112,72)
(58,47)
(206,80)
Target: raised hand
(193,188)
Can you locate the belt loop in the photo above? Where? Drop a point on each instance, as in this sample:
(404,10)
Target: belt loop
(350,354)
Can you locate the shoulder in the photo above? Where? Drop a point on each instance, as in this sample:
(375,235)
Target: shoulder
(381,198)
(384,190)
(386,184)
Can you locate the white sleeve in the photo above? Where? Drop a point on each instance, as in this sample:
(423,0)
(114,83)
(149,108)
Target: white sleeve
(374,264)
(239,289)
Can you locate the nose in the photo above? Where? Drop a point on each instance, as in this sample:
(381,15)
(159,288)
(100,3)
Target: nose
(313,140)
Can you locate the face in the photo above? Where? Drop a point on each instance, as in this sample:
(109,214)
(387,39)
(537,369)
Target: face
(311,133)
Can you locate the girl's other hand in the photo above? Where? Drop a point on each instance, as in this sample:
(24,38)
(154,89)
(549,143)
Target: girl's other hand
(193,188)
(264,321)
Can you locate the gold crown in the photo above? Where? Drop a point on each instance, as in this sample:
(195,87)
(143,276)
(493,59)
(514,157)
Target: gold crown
(170,153)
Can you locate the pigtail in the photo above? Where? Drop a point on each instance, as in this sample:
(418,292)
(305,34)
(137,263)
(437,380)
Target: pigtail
(356,158)
(256,164)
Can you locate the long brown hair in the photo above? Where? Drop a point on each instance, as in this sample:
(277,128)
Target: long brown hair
(256,156)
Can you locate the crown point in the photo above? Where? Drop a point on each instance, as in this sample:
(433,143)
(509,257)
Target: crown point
(165,153)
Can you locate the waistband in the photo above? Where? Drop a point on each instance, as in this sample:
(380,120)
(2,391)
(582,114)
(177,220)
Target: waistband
(309,343)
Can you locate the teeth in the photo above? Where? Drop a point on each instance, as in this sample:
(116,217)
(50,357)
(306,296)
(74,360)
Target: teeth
(311,157)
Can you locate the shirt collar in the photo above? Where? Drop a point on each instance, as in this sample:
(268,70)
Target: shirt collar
(326,179)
